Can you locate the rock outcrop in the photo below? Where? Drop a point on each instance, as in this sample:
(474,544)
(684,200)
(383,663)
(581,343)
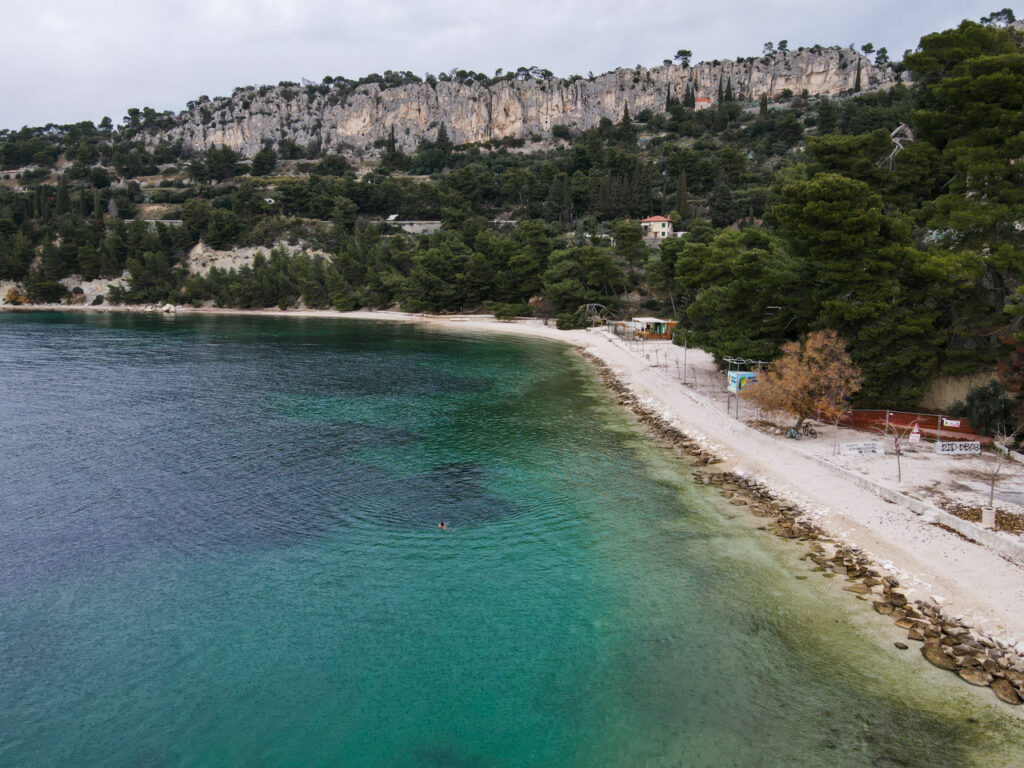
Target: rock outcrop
(341,118)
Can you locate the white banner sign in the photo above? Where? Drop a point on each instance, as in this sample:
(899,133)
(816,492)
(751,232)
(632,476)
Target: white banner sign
(955,449)
(915,435)
(859,449)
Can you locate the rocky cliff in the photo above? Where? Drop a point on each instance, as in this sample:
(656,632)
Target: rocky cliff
(341,117)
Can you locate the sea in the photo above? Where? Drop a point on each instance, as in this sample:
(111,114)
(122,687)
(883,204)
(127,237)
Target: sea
(220,546)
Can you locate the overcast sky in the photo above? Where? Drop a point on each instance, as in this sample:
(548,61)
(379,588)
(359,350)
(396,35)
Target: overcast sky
(70,60)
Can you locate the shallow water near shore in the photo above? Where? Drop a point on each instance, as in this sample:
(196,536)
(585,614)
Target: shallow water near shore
(219,546)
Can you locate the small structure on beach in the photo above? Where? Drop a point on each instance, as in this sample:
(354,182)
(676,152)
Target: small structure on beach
(646,328)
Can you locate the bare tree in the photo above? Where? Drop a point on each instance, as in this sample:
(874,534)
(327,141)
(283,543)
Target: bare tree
(815,376)
(993,467)
(901,436)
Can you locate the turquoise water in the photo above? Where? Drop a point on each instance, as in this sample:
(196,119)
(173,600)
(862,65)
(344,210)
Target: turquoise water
(219,546)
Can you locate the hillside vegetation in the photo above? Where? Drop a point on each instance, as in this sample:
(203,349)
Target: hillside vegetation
(796,218)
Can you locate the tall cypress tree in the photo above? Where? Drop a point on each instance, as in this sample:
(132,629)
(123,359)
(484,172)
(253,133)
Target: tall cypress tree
(627,133)
(720,203)
(856,85)
(728,91)
(763,111)
(443,142)
(721,118)
(63,198)
(721,94)
(682,198)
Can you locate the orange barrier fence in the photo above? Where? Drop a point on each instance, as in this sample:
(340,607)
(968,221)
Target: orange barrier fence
(931,425)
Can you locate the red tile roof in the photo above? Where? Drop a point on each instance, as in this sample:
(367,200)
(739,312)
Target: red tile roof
(653,219)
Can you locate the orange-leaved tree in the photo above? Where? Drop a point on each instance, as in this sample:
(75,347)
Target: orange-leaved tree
(813,375)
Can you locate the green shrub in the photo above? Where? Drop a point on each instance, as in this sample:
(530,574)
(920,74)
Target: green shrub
(43,291)
(988,408)
(504,311)
(561,132)
(567,321)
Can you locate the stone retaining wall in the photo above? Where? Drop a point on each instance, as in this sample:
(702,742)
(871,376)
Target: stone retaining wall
(1010,546)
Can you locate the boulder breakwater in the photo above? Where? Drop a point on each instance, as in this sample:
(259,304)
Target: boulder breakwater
(945,641)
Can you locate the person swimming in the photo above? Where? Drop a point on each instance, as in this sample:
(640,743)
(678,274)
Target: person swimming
(443,525)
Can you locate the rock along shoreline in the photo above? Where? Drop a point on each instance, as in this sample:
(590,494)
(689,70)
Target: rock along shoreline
(945,642)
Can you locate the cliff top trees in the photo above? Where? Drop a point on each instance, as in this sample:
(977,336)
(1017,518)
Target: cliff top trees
(1001,18)
(683,56)
(942,52)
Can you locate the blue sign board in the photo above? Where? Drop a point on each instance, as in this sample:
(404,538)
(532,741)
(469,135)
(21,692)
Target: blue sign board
(740,380)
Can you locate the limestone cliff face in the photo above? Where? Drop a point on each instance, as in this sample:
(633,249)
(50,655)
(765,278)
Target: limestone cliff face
(352,120)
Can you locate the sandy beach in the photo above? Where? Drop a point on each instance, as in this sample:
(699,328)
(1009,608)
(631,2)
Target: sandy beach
(968,580)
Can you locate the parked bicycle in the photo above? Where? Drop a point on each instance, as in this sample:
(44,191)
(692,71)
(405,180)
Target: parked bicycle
(805,431)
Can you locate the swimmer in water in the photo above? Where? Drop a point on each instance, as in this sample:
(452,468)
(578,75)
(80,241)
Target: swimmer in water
(443,526)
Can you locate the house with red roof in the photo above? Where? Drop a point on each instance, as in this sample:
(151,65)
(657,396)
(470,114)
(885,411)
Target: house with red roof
(657,227)
(699,104)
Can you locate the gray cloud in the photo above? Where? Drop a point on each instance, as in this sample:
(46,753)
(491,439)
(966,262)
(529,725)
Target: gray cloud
(68,60)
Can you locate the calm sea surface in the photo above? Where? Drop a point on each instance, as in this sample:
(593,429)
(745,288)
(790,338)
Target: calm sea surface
(219,547)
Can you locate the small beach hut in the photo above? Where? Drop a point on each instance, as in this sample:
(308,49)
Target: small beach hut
(653,328)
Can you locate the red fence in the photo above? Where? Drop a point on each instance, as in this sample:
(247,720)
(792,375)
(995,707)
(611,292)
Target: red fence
(950,428)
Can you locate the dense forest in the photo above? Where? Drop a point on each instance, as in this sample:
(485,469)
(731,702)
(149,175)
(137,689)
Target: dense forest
(799,214)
